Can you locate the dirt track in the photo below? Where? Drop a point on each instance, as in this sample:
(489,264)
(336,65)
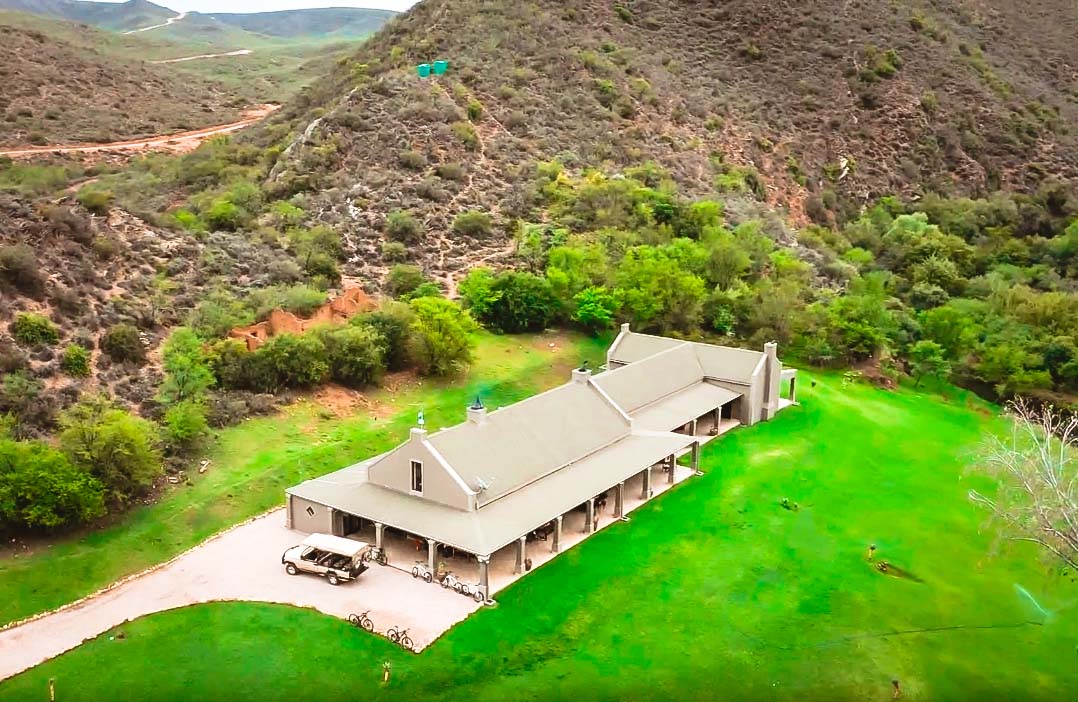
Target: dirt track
(175,143)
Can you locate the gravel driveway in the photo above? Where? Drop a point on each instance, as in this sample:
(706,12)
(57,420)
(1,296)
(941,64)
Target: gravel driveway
(241,564)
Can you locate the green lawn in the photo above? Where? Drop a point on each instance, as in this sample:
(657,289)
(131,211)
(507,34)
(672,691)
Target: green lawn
(712,591)
(252,464)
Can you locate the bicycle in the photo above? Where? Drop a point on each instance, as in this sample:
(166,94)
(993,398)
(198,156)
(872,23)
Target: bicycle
(362,621)
(420,570)
(376,555)
(462,588)
(400,637)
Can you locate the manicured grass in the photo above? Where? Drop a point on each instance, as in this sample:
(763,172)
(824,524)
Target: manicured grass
(713,591)
(252,464)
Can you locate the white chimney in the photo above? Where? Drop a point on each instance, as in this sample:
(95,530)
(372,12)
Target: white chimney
(477,413)
(581,374)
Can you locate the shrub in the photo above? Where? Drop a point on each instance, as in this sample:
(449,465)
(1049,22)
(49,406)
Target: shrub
(450,171)
(624,14)
(440,338)
(76,361)
(122,343)
(19,266)
(185,424)
(404,279)
(392,322)
(394,252)
(404,227)
(466,134)
(473,223)
(289,361)
(519,302)
(41,489)
(475,110)
(218,313)
(116,447)
(412,160)
(187,368)
(96,201)
(34,329)
(355,355)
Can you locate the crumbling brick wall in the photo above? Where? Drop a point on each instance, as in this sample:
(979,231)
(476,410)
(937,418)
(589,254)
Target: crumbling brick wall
(339,310)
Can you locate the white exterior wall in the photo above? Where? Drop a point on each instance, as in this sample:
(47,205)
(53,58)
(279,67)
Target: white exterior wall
(394,471)
(321,522)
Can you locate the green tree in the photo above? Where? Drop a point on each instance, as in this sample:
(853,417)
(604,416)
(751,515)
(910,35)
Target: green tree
(185,424)
(41,489)
(656,292)
(116,447)
(187,369)
(290,361)
(441,336)
(355,354)
(403,279)
(522,302)
(927,359)
(392,321)
(217,314)
(478,293)
(595,308)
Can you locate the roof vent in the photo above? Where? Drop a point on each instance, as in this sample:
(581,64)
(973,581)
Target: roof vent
(477,413)
(581,374)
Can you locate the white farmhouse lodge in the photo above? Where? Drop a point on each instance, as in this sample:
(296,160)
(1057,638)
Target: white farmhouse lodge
(510,488)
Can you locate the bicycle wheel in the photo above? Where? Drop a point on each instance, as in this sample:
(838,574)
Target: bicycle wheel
(367,624)
(393,635)
(458,588)
(428,577)
(415,572)
(406,642)
(354,619)
(478,596)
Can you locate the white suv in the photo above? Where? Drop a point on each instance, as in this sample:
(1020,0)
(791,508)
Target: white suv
(335,558)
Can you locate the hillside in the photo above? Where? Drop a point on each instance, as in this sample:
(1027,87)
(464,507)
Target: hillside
(833,103)
(122,16)
(56,91)
(334,22)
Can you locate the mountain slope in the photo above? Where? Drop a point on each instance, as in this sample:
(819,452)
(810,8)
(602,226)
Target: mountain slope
(116,16)
(56,91)
(335,22)
(834,103)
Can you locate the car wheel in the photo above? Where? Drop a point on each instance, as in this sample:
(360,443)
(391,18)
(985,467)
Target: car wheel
(291,569)
(332,579)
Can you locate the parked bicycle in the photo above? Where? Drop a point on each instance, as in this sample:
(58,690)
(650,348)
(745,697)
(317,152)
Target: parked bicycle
(362,621)
(420,570)
(377,555)
(400,637)
(460,587)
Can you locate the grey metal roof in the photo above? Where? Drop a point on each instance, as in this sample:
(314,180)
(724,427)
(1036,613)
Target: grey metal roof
(682,407)
(501,521)
(523,442)
(718,362)
(631,347)
(651,379)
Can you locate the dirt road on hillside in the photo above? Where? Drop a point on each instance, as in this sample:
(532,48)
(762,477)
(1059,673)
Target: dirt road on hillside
(181,142)
(238,52)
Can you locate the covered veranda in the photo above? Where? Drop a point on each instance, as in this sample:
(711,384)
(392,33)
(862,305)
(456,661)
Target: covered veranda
(704,411)
(497,544)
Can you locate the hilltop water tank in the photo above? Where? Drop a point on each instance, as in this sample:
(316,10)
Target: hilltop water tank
(423,70)
(440,67)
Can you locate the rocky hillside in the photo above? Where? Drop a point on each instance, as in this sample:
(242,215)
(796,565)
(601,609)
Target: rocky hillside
(831,103)
(57,91)
(119,16)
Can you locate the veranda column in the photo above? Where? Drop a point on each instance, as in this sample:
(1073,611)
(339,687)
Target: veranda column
(521,544)
(589,516)
(793,389)
(379,529)
(555,547)
(619,501)
(672,462)
(645,494)
(696,458)
(484,575)
(693,432)
(432,555)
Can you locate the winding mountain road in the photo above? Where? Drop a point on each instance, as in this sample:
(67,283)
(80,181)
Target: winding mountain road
(175,143)
(166,23)
(237,52)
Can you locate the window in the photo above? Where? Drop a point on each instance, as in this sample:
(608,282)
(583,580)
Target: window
(310,511)
(417,477)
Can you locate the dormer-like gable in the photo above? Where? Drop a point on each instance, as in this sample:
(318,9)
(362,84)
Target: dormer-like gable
(416,468)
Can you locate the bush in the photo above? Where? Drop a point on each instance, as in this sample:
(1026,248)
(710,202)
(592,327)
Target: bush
(217,314)
(403,279)
(511,302)
(403,227)
(475,110)
(412,160)
(302,300)
(19,266)
(440,339)
(41,489)
(355,355)
(122,344)
(33,329)
(116,447)
(96,201)
(187,368)
(185,425)
(450,171)
(394,252)
(290,361)
(392,322)
(76,361)
(466,134)
(473,223)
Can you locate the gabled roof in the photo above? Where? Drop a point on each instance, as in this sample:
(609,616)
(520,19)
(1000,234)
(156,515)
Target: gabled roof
(523,442)
(646,381)
(631,347)
(717,362)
